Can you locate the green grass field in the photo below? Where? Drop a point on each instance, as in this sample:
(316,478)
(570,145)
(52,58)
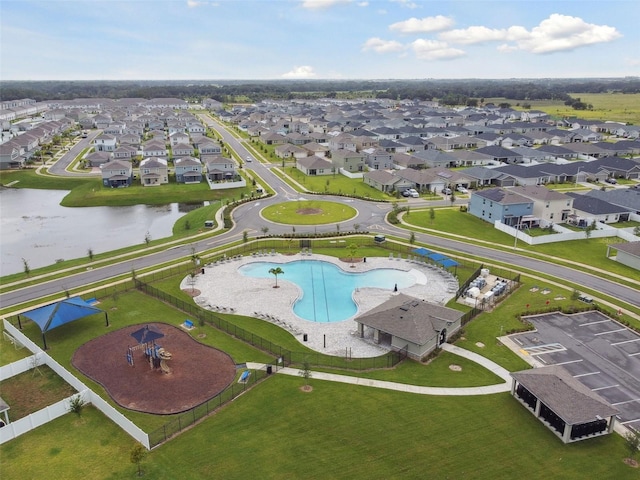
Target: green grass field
(309,212)
(617,107)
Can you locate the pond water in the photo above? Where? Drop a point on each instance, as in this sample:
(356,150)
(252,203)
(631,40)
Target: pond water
(34,226)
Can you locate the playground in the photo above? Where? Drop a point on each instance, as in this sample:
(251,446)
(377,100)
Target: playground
(155,368)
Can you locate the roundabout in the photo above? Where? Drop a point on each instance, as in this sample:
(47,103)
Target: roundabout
(308,212)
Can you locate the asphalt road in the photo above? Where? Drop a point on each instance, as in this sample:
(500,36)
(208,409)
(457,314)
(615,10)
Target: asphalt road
(247,217)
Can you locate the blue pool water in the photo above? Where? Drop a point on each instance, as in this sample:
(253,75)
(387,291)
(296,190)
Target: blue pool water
(327,289)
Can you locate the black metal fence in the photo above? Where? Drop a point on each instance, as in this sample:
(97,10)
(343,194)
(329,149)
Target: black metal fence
(178,423)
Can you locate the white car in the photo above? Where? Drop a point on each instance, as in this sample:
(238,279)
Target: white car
(462,189)
(248,158)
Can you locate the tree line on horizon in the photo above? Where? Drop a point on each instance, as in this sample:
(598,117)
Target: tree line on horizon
(449,92)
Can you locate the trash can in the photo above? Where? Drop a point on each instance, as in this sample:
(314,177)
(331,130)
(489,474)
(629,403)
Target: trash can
(269,369)
(304,337)
(203,271)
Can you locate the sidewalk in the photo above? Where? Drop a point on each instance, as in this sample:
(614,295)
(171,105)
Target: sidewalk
(403,387)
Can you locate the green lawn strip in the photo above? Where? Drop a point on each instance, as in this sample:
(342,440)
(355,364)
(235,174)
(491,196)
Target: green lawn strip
(28,178)
(344,431)
(8,352)
(89,446)
(449,221)
(435,373)
(33,390)
(309,212)
(336,184)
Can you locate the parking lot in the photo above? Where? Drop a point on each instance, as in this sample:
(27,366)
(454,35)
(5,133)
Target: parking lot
(599,352)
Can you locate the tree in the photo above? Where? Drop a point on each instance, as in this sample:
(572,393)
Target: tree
(305,373)
(353,249)
(356,226)
(632,442)
(90,254)
(432,215)
(265,230)
(636,231)
(453,197)
(412,238)
(26,268)
(589,230)
(275,272)
(147,238)
(245,236)
(138,452)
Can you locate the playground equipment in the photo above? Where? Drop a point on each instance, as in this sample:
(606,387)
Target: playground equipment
(154,353)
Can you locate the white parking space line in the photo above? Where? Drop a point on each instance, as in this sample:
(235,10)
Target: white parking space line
(585,374)
(628,401)
(610,331)
(593,323)
(627,341)
(604,388)
(542,349)
(570,361)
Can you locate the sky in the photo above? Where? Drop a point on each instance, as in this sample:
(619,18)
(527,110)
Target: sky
(317,39)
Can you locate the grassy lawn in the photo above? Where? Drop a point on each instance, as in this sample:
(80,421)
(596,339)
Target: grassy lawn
(30,179)
(309,212)
(33,390)
(452,221)
(616,107)
(335,431)
(337,184)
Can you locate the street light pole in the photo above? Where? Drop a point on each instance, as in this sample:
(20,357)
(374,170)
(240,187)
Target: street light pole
(577,174)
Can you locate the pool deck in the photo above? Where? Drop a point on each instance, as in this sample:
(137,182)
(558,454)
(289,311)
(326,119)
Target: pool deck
(225,290)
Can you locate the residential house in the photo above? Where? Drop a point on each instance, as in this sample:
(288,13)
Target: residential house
(628,198)
(155,148)
(207,147)
(314,165)
(105,143)
(96,159)
(343,141)
(290,151)
(117,174)
(124,152)
(377,159)
(182,150)
(154,171)
(405,160)
(220,168)
(549,206)
(501,204)
(10,157)
(436,158)
(317,149)
(386,181)
(348,160)
(501,154)
(588,209)
(188,170)
(178,138)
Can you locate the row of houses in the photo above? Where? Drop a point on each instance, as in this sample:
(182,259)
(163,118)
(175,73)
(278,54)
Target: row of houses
(155,171)
(535,205)
(22,146)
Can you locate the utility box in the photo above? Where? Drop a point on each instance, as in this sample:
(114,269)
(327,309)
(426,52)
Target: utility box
(209,223)
(379,239)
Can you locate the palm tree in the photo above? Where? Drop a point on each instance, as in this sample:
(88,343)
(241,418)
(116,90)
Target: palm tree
(275,272)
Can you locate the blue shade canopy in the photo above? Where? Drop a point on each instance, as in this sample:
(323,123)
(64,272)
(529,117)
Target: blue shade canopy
(422,251)
(447,262)
(436,257)
(147,334)
(59,313)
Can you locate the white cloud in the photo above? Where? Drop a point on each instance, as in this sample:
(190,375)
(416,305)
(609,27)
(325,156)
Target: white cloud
(363,4)
(562,32)
(382,46)
(304,71)
(406,3)
(435,50)
(320,4)
(422,25)
(554,34)
(196,3)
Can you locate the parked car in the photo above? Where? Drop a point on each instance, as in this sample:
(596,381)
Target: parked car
(446,191)
(413,193)
(611,180)
(405,193)
(461,189)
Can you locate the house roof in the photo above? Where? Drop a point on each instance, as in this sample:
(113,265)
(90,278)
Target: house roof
(539,192)
(566,396)
(632,248)
(625,197)
(411,319)
(502,196)
(593,205)
(383,177)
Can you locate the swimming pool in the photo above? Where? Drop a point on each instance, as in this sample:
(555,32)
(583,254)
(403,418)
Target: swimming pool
(327,290)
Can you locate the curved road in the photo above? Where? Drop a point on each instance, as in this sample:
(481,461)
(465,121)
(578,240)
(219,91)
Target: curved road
(247,217)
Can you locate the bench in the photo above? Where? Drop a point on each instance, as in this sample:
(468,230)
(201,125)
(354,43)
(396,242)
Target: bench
(188,324)
(244,376)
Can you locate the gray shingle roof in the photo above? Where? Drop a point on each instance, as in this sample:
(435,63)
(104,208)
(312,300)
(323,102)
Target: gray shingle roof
(566,396)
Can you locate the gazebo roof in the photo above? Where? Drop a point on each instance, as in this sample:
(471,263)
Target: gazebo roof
(567,397)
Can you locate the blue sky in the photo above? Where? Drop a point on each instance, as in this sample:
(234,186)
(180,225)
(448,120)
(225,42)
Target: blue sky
(318,39)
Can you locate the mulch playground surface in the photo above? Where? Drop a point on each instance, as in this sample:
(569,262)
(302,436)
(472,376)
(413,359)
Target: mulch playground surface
(198,372)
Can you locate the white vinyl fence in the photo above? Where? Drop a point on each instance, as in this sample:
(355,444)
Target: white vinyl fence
(23,425)
(603,231)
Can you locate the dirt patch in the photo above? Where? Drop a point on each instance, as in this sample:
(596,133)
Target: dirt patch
(309,211)
(455,368)
(631,462)
(198,372)
(306,388)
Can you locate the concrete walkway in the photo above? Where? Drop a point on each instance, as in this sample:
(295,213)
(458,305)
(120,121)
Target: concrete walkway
(403,387)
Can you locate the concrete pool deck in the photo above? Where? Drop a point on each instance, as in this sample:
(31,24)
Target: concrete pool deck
(225,290)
